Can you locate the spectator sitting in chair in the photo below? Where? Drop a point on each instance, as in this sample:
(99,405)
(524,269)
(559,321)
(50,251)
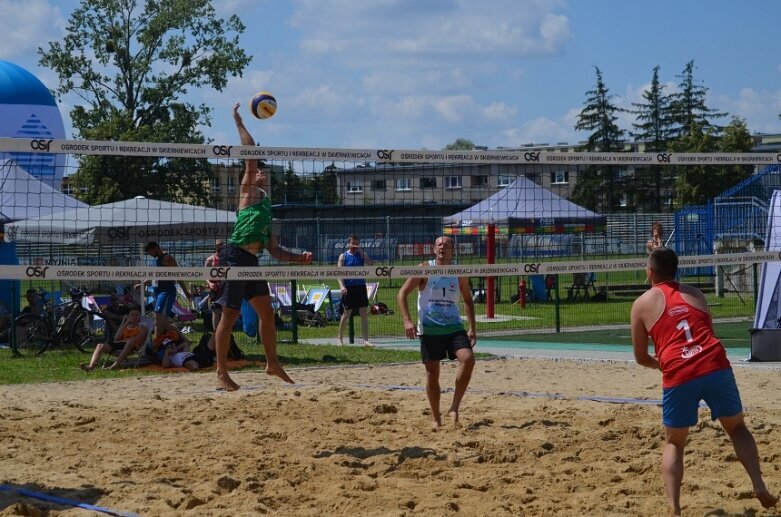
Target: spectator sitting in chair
(130,336)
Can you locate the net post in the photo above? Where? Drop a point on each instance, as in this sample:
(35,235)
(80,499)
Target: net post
(557,306)
(294,319)
(490,295)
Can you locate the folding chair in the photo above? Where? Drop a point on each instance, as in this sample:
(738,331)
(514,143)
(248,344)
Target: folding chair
(309,314)
(371,291)
(280,294)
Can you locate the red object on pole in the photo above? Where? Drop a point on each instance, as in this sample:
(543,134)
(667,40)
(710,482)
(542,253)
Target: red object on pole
(490,295)
(522,292)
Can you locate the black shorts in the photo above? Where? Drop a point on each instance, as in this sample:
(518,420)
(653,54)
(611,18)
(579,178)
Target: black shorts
(232,292)
(355,297)
(435,348)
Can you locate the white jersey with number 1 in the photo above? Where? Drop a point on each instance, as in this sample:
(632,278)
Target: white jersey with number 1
(438,306)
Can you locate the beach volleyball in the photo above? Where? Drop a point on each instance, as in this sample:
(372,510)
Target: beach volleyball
(263,105)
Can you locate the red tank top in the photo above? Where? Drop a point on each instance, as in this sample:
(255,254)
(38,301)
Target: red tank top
(684,341)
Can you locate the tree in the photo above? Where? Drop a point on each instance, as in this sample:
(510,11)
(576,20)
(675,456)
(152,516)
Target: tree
(697,183)
(687,106)
(461,144)
(694,184)
(595,188)
(653,116)
(131,63)
(654,129)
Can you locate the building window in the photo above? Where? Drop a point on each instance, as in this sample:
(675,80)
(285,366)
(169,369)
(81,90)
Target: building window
(559,177)
(354,187)
(379,185)
(232,207)
(231,184)
(452,182)
(504,181)
(67,189)
(428,182)
(215,185)
(479,181)
(404,184)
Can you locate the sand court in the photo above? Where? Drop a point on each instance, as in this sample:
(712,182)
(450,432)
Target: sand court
(537,438)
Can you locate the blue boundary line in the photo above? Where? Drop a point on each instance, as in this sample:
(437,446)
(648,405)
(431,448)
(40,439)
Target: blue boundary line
(66,502)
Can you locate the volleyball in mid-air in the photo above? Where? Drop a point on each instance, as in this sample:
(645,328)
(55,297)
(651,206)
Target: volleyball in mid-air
(263,105)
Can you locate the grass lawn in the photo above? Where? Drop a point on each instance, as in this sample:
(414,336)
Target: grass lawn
(57,366)
(732,334)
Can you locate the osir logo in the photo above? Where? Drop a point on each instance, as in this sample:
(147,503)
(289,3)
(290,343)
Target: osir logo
(383,271)
(219,272)
(531,156)
(532,268)
(40,144)
(36,272)
(122,232)
(222,150)
(663,157)
(385,154)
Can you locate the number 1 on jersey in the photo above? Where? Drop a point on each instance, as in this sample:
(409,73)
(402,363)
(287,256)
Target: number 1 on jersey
(684,325)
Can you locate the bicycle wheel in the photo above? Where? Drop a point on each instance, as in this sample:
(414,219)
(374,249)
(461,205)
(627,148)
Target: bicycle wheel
(32,335)
(88,328)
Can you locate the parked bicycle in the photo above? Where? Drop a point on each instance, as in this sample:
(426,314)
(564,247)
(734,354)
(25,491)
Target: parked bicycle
(59,325)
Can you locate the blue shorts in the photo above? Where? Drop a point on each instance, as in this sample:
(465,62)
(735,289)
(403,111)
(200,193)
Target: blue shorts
(164,302)
(718,390)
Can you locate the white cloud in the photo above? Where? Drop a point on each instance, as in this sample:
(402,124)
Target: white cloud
(499,111)
(759,108)
(460,28)
(24,24)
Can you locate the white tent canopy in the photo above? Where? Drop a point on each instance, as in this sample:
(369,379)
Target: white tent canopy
(134,220)
(22,196)
(520,203)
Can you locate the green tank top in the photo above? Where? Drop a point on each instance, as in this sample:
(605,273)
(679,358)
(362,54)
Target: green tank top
(253,224)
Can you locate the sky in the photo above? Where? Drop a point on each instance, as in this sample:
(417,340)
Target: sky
(418,74)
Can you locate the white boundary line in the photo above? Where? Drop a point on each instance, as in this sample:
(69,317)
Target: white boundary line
(141,273)
(169,150)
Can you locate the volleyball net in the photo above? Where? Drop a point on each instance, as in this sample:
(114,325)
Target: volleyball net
(563,234)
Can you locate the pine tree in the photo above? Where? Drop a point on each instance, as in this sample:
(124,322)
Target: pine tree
(595,188)
(688,107)
(653,129)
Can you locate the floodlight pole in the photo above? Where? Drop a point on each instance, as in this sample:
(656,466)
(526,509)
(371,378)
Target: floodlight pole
(490,297)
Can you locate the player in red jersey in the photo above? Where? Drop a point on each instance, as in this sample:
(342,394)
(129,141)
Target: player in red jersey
(694,367)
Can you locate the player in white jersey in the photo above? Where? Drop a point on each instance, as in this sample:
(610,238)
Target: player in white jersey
(440,328)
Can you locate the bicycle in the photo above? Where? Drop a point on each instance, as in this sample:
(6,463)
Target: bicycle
(65,323)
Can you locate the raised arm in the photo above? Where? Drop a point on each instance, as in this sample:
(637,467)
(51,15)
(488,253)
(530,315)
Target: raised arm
(254,184)
(367,260)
